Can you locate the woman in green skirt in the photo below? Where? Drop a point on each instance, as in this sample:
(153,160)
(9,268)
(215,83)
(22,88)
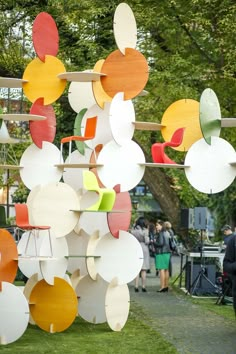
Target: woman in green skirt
(163,253)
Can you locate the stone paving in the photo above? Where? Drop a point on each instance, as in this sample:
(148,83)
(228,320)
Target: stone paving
(191,329)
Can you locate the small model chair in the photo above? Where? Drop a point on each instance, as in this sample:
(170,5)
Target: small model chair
(158,149)
(89,133)
(106,196)
(22,223)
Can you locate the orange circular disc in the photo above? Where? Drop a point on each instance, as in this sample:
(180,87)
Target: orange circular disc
(53,307)
(182,114)
(43,81)
(8,257)
(125,73)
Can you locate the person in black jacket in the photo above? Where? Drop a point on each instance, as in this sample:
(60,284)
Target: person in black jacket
(229,265)
(163,252)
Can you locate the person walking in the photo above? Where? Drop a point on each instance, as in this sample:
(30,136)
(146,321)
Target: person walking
(163,253)
(168,227)
(141,232)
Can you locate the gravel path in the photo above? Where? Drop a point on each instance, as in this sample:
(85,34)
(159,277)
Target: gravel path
(188,327)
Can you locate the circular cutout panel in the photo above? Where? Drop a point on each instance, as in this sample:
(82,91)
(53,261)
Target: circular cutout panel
(120,258)
(124,27)
(210,171)
(121,116)
(91,295)
(8,257)
(44,130)
(53,308)
(14,311)
(53,206)
(45,35)
(100,95)
(117,306)
(131,69)
(38,165)
(210,115)
(182,114)
(80,95)
(121,165)
(42,80)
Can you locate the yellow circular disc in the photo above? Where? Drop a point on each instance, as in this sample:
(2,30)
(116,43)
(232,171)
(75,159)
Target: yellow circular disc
(100,95)
(53,307)
(43,81)
(182,114)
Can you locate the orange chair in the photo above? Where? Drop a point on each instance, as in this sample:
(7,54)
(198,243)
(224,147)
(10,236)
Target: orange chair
(89,133)
(22,223)
(158,149)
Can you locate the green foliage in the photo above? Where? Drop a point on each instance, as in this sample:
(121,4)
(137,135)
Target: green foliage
(20,195)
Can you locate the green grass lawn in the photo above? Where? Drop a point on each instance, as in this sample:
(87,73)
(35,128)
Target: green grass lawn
(83,337)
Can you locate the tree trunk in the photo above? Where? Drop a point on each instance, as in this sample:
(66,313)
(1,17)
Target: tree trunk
(162,192)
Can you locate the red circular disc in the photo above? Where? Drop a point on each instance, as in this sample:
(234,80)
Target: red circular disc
(44,130)
(120,221)
(45,36)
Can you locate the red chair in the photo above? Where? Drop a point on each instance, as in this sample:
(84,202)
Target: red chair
(158,149)
(22,223)
(89,133)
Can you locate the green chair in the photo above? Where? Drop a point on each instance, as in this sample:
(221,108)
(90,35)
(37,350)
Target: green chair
(107,196)
(3,219)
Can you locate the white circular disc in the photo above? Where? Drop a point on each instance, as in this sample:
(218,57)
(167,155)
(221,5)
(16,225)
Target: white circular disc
(55,267)
(53,206)
(121,116)
(30,198)
(80,95)
(29,266)
(117,306)
(103,130)
(121,165)
(77,244)
(31,282)
(74,176)
(120,258)
(91,304)
(124,27)
(14,311)
(92,221)
(38,165)
(210,171)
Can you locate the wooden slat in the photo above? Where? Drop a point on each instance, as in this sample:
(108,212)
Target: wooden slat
(81,76)
(21,117)
(147,126)
(228,122)
(163,165)
(11,82)
(78,165)
(10,167)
